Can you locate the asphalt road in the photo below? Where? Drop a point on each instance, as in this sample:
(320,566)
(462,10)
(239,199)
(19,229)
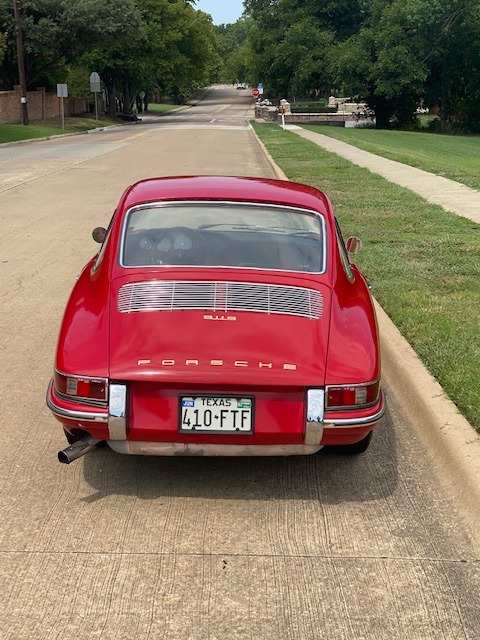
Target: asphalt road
(120,547)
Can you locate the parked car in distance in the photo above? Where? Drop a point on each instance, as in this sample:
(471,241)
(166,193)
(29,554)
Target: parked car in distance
(241,85)
(221,316)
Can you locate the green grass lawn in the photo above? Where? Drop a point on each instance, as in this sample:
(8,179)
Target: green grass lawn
(161,108)
(74,124)
(454,157)
(15,132)
(423,263)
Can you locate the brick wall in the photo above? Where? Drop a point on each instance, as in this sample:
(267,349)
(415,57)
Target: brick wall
(41,105)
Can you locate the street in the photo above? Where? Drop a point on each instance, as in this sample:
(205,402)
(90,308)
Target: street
(120,547)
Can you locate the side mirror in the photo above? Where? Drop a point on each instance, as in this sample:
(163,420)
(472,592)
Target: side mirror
(354,245)
(98,234)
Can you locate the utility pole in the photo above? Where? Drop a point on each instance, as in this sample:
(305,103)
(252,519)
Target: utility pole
(21,63)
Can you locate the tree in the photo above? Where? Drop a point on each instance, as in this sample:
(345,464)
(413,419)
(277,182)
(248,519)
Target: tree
(133,44)
(57,31)
(383,64)
(195,54)
(391,53)
(452,33)
(234,50)
(290,42)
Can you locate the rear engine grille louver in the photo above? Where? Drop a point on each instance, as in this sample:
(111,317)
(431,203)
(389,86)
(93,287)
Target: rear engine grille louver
(224,297)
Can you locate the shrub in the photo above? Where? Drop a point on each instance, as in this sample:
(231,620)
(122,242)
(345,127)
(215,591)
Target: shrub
(312,107)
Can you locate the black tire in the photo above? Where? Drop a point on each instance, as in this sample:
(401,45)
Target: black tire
(354,449)
(70,437)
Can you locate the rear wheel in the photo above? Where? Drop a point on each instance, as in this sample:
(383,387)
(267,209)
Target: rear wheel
(353,449)
(70,437)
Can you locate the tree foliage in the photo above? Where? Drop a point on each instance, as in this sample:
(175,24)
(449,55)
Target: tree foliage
(395,54)
(234,51)
(133,44)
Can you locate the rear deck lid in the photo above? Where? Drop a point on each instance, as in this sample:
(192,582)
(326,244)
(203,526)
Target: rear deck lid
(220,332)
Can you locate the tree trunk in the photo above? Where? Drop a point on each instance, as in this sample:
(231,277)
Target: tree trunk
(111,97)
(443,106)
(127,99)
(382,113)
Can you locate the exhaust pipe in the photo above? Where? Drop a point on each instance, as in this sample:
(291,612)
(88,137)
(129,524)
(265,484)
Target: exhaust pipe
(77,449)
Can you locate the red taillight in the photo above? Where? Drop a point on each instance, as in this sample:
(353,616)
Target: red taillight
(78,387)
(352,396)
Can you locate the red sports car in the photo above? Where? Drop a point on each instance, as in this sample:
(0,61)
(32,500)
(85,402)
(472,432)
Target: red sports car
(221,316)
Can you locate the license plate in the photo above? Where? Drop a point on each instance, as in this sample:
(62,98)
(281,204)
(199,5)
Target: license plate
(216,414)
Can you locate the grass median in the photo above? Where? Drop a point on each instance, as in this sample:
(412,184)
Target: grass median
(47,128)
(161,108)
(73,124)
(423,263)
(454,157)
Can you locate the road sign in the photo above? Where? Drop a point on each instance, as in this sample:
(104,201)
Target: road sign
(95,87)
(95,82)
(62,92)
(255,92)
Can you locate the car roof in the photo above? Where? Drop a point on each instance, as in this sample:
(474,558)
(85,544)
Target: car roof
(227,188)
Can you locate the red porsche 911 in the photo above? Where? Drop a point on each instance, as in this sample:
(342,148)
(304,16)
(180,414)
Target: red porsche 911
(222,316)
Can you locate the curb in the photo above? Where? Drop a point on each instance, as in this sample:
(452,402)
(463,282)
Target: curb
(276,169)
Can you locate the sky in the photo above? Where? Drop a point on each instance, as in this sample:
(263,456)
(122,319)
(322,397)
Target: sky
(222,11)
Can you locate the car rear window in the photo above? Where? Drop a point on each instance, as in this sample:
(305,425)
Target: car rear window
(224,235)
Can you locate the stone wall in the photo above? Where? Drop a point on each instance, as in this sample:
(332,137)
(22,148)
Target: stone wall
(351,114)
(41,104)
(322,118)
(271,113)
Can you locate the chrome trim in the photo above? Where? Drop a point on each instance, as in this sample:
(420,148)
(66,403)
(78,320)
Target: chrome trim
(130,447)
(314,433)
(117,412)
(345,423)
(223,296)
(231,203)
(315,405)
(315,413)
(72,414)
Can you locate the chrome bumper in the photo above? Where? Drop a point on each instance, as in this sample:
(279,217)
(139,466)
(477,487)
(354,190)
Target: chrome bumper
(71,414)
(116,418)
(349,423)
(132,447)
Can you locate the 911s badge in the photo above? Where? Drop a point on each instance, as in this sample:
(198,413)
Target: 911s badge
(216,317)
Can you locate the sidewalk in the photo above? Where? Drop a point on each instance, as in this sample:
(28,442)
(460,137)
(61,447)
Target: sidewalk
(450,195)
